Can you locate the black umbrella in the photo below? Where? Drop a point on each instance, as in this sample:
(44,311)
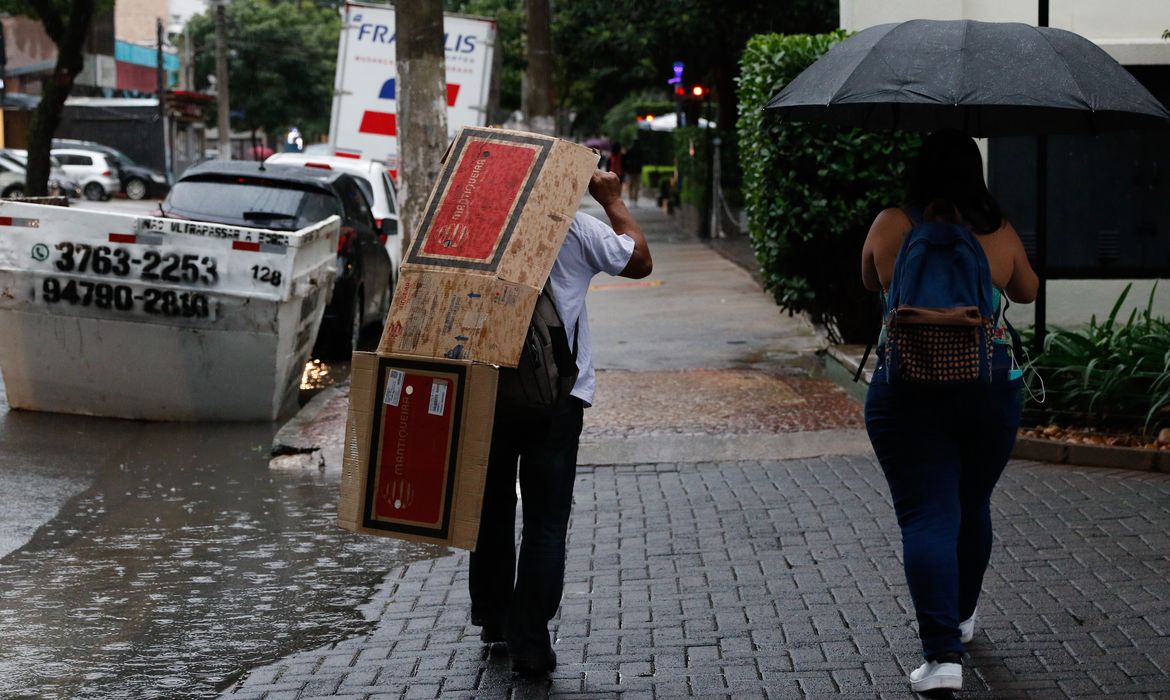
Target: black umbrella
(982,78)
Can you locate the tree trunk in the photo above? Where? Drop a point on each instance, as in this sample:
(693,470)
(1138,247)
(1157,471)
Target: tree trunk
(422,107)
(47,116)
(538,104)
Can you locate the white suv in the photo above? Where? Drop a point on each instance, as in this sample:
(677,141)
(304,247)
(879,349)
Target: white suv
(375,183)
(96,172)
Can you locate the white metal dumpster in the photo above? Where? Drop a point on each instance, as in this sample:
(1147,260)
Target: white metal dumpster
(160,319)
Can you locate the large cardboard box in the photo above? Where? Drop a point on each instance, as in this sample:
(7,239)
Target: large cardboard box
(416,448)
(420,420)
(491,231)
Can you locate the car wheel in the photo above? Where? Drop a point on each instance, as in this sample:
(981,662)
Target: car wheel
(135,188)
(94,192)
(14,191)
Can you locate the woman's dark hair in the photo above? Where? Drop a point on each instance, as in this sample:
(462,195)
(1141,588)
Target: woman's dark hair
(949,167)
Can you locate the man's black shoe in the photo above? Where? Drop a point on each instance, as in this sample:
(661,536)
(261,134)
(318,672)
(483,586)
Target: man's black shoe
(534,665)
(492,634)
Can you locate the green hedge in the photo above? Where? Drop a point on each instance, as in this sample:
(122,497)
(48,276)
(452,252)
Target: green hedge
(653,175)
(812,190)
(694,169)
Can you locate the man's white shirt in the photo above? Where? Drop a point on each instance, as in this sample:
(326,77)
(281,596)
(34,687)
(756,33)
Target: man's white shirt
(590,247)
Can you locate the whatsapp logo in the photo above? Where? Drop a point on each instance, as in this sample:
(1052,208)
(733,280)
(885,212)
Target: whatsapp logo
(40,252)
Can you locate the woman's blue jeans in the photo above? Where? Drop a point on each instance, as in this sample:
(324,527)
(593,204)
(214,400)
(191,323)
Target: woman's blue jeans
(942,450)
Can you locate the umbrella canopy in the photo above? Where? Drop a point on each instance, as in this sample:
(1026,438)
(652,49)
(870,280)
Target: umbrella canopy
(982,78)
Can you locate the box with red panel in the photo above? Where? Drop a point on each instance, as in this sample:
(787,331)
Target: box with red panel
(420,418)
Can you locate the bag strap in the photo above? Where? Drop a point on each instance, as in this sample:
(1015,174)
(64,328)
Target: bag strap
(870,344)
(1017,344)
(548,289)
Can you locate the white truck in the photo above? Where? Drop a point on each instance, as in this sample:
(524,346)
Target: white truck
(364,121)
(159,319)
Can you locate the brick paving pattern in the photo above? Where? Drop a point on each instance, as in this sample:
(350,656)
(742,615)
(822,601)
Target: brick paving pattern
(782,580)
(716,402)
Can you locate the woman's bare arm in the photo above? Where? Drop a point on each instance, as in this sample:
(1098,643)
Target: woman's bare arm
(1024,283)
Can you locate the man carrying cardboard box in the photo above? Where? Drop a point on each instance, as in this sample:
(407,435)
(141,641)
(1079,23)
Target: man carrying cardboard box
(515,604)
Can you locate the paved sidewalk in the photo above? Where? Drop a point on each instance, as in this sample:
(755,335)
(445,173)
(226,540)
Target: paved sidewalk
(701,564)
(780,580)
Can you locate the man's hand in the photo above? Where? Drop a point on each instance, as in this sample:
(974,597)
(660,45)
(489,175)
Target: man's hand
(606,187)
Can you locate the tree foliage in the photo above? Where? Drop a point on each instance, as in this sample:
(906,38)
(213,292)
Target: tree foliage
(281,63)
(610,48)
(812,191)
(67,23)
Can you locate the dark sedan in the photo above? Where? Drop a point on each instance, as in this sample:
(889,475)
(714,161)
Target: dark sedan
(247,193)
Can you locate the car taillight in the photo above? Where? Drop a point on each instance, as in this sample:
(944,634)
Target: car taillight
(344,238)
(106,173)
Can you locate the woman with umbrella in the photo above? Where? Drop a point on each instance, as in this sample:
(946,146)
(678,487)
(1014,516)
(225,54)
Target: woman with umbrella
(943,447)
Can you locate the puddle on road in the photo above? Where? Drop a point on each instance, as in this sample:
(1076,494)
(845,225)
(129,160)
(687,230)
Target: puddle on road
(186,563)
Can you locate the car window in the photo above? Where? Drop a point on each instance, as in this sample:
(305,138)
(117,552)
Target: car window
(357,207)
(82,160)
(389,193)
(265,204)
(367,190)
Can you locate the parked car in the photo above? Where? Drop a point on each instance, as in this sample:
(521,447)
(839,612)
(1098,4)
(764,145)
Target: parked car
(286,198)
(375,182)
(97,172)
(11,180)
(60,183)
(135,180)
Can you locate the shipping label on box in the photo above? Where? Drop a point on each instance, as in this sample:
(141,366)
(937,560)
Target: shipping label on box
(491,231)
(417,441)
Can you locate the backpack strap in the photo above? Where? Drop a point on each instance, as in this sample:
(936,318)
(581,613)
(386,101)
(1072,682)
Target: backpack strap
(576,326)
(870,344)
(1017,344)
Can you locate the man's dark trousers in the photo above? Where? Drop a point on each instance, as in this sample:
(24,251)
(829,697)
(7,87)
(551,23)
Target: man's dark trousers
(521,600)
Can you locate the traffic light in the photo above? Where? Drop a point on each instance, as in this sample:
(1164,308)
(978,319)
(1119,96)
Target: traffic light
(698,91)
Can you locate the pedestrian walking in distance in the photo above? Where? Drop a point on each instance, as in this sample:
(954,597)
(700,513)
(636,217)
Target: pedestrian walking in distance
(944,402)
(513,600)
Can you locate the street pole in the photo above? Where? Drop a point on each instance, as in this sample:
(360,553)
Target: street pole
(716,231)
(223,125)
(3,82)
(161,78)
(1041,320)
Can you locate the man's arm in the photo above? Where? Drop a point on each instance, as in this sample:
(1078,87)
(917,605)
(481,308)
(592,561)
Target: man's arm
(606,188)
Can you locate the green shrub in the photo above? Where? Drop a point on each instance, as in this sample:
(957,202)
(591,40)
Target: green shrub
(692,151)
(812,190)
(653,175)
(1109,375)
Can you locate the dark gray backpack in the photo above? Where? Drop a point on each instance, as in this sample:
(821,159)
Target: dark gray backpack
(547,370)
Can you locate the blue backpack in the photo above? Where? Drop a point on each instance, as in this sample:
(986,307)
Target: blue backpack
(939,314)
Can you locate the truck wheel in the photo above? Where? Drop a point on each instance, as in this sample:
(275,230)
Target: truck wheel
(94,192)
(135,188)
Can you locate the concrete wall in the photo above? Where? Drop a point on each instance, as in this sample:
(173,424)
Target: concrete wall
(1130,30)
(134,20)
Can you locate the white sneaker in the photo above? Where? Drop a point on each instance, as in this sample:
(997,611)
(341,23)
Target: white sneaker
(967,628)
(935,676)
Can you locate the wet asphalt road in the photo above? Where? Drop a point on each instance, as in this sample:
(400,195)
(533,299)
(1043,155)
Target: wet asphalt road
(164,560)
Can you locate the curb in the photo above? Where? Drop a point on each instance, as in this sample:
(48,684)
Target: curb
(841,362)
